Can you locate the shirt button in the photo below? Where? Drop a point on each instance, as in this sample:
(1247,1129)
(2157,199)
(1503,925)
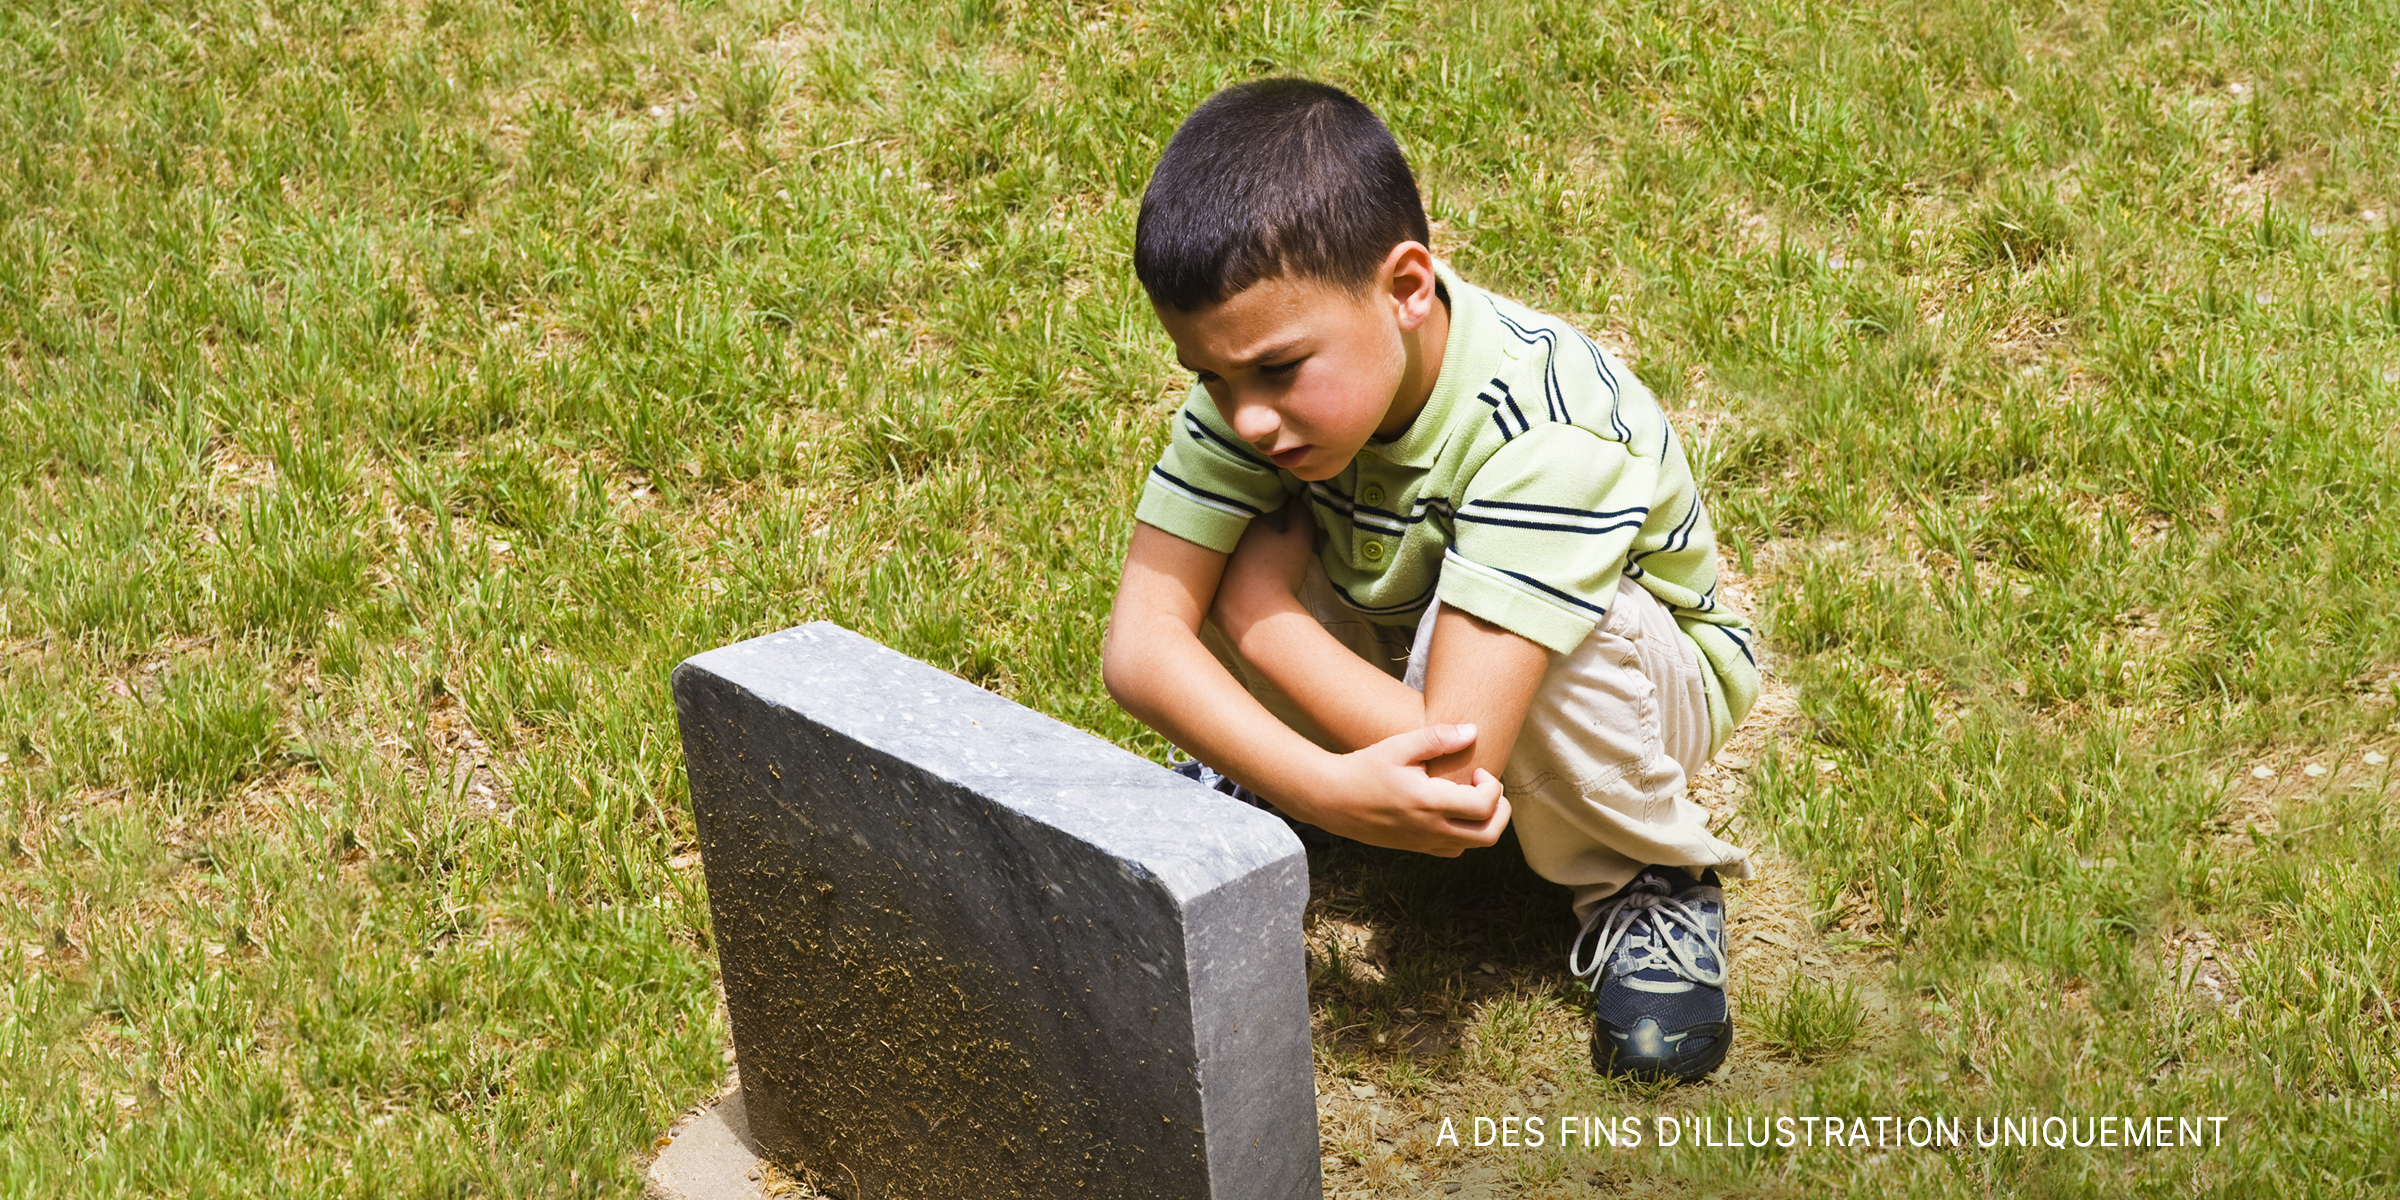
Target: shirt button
(1373,496)
(1373,551)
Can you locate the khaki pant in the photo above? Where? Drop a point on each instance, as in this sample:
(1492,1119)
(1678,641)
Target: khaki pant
(1597,779)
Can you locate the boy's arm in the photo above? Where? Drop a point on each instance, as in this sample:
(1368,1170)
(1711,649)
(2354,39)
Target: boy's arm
(1157,669)
(1476,672)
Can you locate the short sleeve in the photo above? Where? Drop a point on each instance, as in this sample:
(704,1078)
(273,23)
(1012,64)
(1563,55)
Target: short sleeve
(1542,531)
(1208,484)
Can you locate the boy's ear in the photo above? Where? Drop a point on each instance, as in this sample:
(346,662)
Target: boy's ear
(1407,280)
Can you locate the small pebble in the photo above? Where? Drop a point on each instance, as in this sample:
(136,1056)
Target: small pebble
(1487,968)
(2313,771)
(2262,772)
(2373,758)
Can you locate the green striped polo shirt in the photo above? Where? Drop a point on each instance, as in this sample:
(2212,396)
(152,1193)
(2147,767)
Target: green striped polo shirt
(1539,476)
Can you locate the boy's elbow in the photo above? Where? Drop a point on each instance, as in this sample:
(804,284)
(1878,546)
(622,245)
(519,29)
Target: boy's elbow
(1112,678)
(1130,670)
(1117,671)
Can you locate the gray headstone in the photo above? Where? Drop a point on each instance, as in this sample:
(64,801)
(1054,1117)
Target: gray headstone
(971,951)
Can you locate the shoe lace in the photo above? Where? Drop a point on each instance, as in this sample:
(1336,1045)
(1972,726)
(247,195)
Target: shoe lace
(1651,948)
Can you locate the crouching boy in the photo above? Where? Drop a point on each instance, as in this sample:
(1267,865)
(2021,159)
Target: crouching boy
(1419,562)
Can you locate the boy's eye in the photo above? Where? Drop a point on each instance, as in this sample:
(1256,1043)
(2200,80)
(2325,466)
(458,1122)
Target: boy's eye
(1281,368)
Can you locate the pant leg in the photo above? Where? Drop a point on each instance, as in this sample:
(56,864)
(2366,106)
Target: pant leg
(1598,779)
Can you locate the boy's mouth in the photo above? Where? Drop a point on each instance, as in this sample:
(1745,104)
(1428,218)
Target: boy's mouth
(1289,458)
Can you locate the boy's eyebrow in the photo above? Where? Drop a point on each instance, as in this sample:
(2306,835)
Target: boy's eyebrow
(1268,355)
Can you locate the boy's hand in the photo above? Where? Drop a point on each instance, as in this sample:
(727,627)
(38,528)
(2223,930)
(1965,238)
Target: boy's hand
(1263,575)
(1383,796)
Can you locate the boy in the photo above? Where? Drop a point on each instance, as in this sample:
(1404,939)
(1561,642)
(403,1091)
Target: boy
(1419,561)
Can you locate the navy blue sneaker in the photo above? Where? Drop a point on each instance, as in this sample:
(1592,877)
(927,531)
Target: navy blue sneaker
(1209,776)
(1656,965)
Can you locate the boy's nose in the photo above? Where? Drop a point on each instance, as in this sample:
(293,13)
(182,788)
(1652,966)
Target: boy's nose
(1255,423)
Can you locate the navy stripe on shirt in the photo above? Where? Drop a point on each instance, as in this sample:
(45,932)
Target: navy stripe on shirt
(1596,514)
(1547,526)
(1569,597)
(1201,432)
(1161,472)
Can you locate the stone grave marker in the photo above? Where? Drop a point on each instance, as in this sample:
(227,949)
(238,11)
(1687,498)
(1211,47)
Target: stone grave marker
(971,951)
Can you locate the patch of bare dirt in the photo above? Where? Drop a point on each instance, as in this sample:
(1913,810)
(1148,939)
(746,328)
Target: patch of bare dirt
(2201,968)
(454,752)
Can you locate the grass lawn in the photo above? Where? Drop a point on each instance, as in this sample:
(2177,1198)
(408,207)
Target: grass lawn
(392,391)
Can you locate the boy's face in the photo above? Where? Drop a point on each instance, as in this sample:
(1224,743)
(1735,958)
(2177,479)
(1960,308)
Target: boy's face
(1306,371)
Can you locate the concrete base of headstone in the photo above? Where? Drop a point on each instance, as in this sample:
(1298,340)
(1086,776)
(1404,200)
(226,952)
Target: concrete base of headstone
(968,950)
(710,1157)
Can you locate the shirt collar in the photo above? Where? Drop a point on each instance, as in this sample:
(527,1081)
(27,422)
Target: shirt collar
(1420,445)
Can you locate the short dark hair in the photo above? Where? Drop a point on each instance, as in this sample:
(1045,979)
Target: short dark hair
(1270,178)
